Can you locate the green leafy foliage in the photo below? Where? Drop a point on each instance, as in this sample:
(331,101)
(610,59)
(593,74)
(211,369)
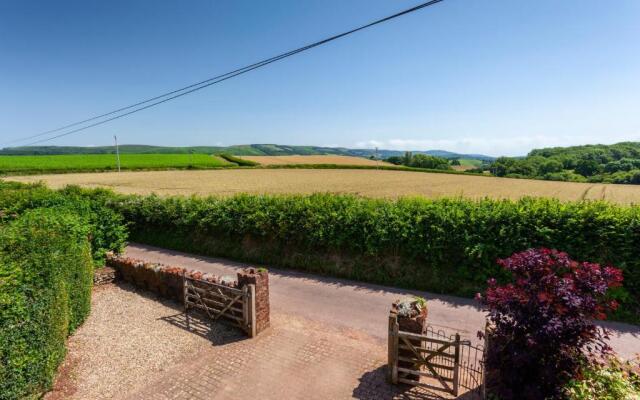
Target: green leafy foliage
(420,161)
(617,163)
(46,274)
(445,245)
(107,229)
(615,380)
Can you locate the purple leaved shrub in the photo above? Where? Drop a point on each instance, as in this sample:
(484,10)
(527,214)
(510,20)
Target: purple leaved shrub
(542,322)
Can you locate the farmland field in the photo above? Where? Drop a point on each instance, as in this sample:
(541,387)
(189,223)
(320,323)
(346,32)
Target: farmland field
(371,183)
(467,164)
(322,159)
(89,162)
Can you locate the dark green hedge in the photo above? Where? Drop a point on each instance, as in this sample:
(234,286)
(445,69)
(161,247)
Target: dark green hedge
(46,274)
(238,160)
(446,246)
(107,229)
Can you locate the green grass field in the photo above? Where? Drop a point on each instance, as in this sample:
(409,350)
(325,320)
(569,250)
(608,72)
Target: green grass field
(470,162)
(105,162)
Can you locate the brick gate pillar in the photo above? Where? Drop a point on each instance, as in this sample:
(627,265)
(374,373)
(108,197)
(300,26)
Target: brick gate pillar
(260,278)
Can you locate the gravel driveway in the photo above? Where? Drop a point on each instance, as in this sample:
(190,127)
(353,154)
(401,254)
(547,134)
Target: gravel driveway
(128,339)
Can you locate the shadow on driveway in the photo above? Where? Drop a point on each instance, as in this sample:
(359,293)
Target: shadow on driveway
(374,386)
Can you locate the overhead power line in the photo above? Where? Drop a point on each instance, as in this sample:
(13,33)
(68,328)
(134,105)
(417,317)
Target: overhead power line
(174,94)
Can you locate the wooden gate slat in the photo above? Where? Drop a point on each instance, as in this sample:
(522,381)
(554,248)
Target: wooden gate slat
(229,316)
(425,374)
(413,360)
(219,304)
(199,300)
(416,336)
(428,351)
(227,307)
(213,294)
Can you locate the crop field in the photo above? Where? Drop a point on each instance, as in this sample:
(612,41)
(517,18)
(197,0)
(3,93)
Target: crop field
(467,164)
(89,162)
(305,160)
(371,183)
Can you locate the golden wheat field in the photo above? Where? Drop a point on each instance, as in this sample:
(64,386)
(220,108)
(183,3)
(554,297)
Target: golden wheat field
(372,183)
(318,159)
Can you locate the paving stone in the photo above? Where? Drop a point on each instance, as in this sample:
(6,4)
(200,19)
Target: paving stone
(294,359)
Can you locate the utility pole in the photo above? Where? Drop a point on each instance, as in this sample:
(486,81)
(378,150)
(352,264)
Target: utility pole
(115,138)
(377,161)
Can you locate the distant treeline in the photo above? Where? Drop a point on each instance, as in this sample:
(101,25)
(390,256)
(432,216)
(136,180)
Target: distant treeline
(422,161)
(617,163)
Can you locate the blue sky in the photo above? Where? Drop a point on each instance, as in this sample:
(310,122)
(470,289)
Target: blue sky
(493,77)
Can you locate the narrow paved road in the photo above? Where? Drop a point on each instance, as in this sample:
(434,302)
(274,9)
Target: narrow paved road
(357,306)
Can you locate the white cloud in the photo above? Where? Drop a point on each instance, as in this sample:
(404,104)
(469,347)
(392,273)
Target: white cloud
(495,146)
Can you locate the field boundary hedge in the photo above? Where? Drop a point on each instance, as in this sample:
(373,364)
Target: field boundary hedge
(443,245)
(238,160)
(374,167)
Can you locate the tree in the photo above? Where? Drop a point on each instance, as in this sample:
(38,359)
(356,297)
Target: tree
(396,160)
(587,167)
(503,166)
(431,162)
(550,166)
(543,321)
(407,158)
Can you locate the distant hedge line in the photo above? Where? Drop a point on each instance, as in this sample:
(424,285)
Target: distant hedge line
(46,273)
(376,167)
(238,160)
(446,245)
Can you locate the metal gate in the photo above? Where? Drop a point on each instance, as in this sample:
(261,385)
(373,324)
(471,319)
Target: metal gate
(435,361)
(237,305)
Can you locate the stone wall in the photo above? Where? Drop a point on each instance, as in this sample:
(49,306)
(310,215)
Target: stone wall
(102,276)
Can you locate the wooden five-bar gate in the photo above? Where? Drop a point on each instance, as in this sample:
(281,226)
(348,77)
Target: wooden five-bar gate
(237,305)
(435,361)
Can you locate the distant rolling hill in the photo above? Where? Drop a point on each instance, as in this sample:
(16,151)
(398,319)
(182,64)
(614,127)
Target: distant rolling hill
(238,150)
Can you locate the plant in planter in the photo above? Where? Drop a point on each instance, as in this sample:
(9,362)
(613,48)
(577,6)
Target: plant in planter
(412,314)
(542,322)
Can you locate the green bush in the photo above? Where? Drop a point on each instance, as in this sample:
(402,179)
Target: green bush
(445,245)
(107,228)
(45,291)
(614,381)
